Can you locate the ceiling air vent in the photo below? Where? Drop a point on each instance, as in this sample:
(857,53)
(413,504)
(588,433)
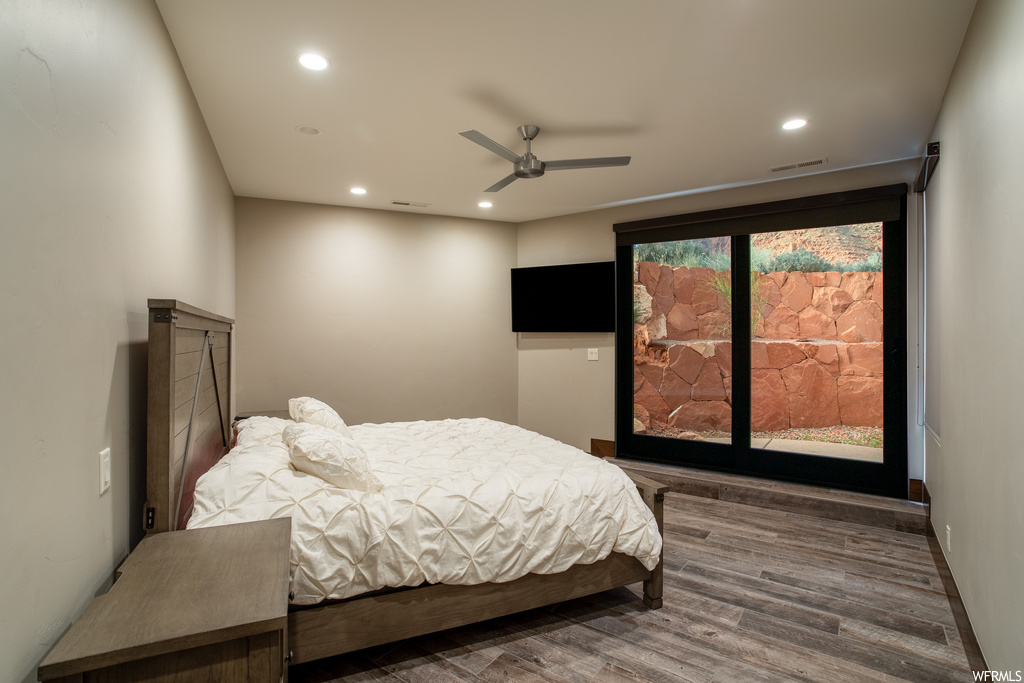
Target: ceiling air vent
(414,205)
(799,164)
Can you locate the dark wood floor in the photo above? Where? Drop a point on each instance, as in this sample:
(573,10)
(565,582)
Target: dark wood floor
(751,594)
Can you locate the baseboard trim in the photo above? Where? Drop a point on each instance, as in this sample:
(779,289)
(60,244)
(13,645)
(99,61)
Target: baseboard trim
(972,649)
(915,491)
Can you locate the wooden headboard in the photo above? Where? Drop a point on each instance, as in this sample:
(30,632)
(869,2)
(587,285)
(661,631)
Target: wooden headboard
(189,411)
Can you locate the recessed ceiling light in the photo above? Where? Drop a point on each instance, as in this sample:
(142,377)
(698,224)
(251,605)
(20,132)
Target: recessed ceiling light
(313,61)
(308,130)
(793,124)
(358,190)
(485,205)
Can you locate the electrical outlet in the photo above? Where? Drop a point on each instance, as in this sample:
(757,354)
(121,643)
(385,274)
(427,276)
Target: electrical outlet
(949,548)
(591,354)
(104,470)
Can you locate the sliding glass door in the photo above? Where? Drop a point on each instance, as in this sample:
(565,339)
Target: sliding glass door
(758,340)
(817,375)
(682,340)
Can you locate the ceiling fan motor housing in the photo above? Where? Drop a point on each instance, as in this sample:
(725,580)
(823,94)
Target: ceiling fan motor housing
(529,166)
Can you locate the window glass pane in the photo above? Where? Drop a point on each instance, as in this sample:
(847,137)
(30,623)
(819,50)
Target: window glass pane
(817,353)
(682,339)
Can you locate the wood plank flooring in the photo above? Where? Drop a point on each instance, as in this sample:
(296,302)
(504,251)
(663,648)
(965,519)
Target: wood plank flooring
(751,594)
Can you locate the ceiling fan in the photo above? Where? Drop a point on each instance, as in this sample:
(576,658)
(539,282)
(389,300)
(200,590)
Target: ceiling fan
(528,165)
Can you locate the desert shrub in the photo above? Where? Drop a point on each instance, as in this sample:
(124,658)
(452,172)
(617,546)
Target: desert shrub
(686,253)
(693,254)
(719,261)
(673,254)
(801,261)
(760,260)
(723,286)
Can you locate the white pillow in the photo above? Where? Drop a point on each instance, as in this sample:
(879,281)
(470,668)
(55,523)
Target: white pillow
(324,453)
(259,429)
(313,411)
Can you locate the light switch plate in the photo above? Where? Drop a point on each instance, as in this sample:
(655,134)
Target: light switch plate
(591,354)
(104,470)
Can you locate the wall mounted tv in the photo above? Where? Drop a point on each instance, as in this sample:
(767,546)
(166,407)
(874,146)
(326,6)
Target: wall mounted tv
(572,298)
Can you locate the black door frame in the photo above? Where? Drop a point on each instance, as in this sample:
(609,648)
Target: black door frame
(887,204)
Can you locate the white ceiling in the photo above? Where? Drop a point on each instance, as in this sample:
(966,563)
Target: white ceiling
(694,90)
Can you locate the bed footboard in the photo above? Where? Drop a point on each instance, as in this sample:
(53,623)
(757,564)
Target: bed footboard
(341,627)
(653,493)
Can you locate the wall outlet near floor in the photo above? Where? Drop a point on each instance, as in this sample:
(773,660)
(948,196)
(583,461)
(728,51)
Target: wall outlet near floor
(948,534)
(104,470)
(591,354)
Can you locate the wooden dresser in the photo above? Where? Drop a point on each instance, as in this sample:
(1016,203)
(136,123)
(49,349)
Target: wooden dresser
(197,605)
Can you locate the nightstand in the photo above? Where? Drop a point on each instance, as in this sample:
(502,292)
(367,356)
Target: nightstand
(199,605)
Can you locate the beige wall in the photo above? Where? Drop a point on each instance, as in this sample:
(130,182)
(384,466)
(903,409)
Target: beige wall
(385,315)
(110,192)
(975,464)
(561,393)
(567,397)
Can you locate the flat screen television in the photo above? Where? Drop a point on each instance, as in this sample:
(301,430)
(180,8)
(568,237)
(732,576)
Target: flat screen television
(579,297)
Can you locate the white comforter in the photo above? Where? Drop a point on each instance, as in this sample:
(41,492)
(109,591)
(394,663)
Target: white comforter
(464,502)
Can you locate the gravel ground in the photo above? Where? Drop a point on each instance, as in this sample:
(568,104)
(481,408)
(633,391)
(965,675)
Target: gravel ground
(857,436)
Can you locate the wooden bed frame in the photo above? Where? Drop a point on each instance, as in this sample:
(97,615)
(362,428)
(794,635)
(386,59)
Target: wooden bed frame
(189,429)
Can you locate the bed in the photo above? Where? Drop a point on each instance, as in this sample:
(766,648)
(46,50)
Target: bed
(191,431)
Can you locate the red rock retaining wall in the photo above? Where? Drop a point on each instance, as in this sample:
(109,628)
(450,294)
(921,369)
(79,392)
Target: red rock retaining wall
(816,356)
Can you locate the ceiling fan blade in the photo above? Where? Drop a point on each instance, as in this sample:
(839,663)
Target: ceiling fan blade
(487,143)
(507,180)
(597,162)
